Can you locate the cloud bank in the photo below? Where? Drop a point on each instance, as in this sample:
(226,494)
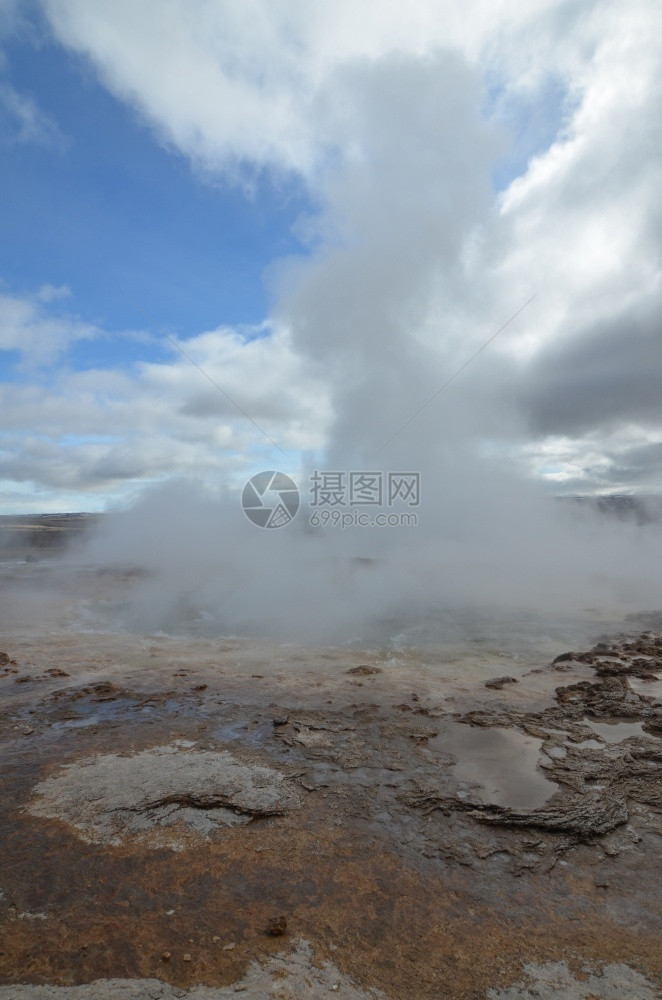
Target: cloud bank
(396,122)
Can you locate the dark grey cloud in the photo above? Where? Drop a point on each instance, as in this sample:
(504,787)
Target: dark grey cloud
(638,467)
(598,379)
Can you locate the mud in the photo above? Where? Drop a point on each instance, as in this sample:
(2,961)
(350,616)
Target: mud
(412,834)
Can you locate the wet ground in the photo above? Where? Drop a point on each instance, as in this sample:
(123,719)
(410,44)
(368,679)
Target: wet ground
(203,818)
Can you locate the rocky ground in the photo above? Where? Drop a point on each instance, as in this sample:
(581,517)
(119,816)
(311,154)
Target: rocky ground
(176,825)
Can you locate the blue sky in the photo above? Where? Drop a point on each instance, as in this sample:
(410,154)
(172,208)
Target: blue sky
(103,208)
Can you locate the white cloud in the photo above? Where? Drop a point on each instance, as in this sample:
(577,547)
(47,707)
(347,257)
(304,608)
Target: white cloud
(577,224)
(254,81)
(31,123)
(105,433)
(39,336)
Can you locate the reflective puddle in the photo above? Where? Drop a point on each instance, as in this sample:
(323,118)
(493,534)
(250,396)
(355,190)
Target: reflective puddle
(497,766)
(616,732)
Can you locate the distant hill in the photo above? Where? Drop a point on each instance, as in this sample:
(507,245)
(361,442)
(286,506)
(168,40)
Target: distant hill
(645,509)
(35,536)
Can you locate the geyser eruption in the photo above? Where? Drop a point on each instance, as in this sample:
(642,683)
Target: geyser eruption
(406,282)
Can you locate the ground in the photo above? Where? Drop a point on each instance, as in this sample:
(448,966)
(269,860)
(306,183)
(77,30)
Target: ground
(201,819)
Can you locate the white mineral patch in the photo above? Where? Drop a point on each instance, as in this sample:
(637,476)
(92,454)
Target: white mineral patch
(108,798)
(554,981)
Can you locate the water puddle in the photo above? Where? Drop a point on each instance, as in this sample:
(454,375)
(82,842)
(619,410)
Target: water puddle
(615,732)
(253,734)
(500,766)
(588,745)
(650,689)
(84,712)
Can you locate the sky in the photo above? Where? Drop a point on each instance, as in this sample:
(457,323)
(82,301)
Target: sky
(264,235)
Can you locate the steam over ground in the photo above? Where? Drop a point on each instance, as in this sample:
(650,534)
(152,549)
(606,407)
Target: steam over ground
(463,574)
